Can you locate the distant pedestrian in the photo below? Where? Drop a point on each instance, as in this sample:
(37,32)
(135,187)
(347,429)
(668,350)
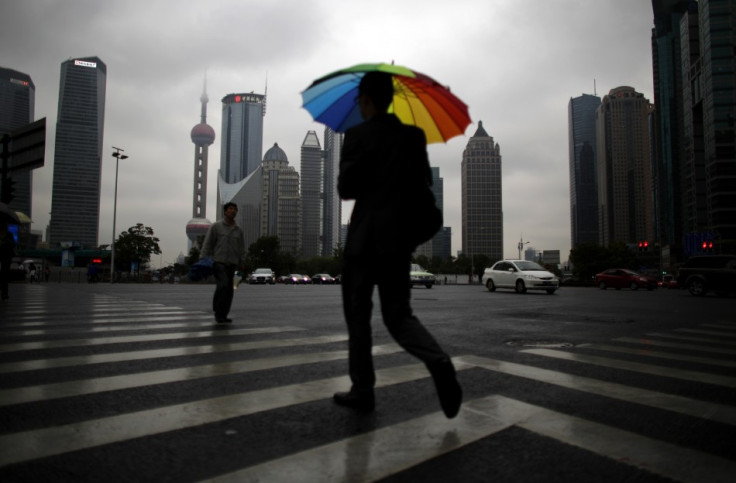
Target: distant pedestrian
(381,160)
(32,272)
(7,252)
(225,244)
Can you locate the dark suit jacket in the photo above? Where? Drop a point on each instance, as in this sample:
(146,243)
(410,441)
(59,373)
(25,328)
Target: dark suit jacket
(382,161)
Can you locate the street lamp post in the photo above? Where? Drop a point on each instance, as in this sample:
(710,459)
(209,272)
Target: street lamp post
(117,157)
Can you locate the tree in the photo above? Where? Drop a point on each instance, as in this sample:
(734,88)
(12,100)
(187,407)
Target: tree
(590,258)
(136,245)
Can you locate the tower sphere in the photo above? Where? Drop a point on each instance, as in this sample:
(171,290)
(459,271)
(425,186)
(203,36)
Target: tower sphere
(197,227)
(203,134)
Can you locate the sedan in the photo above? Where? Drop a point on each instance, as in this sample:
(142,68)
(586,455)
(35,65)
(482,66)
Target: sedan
(521,275)
(262,275)
(419,276)
(296,279)
(322,279)
(619,278)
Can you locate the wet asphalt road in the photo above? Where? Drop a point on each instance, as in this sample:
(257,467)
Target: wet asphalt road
(134,383)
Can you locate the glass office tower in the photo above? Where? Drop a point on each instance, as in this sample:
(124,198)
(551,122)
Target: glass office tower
(242,135)
(75,200)
(583,178)
(17,98)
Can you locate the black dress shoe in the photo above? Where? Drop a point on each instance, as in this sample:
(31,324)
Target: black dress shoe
(362,401)
(224,320)
(448,389)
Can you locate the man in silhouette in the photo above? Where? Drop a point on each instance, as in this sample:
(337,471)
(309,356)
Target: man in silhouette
(381,159)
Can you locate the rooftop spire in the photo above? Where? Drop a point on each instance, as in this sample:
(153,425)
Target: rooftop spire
(204,99)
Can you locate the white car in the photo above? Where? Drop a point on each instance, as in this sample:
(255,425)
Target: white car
(419,276)
(520,275)
(262,275)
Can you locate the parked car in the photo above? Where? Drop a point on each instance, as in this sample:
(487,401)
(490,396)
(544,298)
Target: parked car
(703,274)
(297,279)
(262,275)
(323,279)
(668,281)
(521,275)
(619,278)
(419,276)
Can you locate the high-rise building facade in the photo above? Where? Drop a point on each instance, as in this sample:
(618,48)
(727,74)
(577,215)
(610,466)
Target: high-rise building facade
(583,177)
(17,100)
(281,205)
(202,136)
(439,245)
(312,158)
(332,204)
(75,199)
(241,142)
(625,191)
(668,136)
(482,202)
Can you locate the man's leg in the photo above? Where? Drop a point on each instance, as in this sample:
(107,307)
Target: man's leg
(223,297)
(395,294)
(357,294)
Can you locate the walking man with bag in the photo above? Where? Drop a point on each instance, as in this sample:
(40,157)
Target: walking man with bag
(225,244)
(381,160)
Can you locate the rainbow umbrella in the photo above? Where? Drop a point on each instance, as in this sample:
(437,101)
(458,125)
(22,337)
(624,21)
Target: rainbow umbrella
(419,100)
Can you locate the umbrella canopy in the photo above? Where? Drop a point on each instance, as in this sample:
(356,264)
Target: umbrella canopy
(7,214)
(419,100)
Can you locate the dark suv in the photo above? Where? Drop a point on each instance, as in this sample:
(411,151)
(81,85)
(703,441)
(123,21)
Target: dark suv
(703,274)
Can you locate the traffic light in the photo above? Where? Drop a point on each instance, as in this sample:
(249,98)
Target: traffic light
(644,246)
(707,246)
(8,188)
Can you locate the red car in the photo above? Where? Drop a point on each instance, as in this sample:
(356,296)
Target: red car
(619,278)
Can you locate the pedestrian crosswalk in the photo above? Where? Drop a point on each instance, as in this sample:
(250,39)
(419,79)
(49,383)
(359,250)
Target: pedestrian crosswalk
(124,374)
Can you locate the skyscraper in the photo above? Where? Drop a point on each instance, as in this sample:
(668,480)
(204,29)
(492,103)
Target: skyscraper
(312,158)
(332,217)
(583,178)
(75,201)
(17,99)
(202,136)
(625,194)
(281,203)
(668,131)
(242,135)
(482,205)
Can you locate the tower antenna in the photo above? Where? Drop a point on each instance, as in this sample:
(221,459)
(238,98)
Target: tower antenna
(265,96)
(595,93)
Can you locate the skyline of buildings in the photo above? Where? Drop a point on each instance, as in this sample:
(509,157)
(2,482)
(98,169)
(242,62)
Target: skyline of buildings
(75,199)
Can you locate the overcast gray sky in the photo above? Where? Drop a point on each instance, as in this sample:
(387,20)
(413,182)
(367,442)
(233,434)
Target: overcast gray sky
(516,63)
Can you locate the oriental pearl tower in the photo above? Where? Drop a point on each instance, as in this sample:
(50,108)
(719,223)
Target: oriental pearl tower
(202,136)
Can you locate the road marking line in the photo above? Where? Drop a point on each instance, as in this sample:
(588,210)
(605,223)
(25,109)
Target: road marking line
(645,397)
(45,392)
(60,324)
(40,443)
(707,332)
(675,345)
(209,348)
(692,339)
(134,325)
(660,355)
(702,377)
(217,333)
(377,454)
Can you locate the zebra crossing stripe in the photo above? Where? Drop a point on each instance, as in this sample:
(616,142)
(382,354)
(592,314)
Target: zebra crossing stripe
(384,452)
(29,445)
(692,339)
(660,355)
(46,392)
(64,322)
(708,332)
(675,345)
(38,364)
(645,397)
(696,376)
(141,324)
(226,332)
